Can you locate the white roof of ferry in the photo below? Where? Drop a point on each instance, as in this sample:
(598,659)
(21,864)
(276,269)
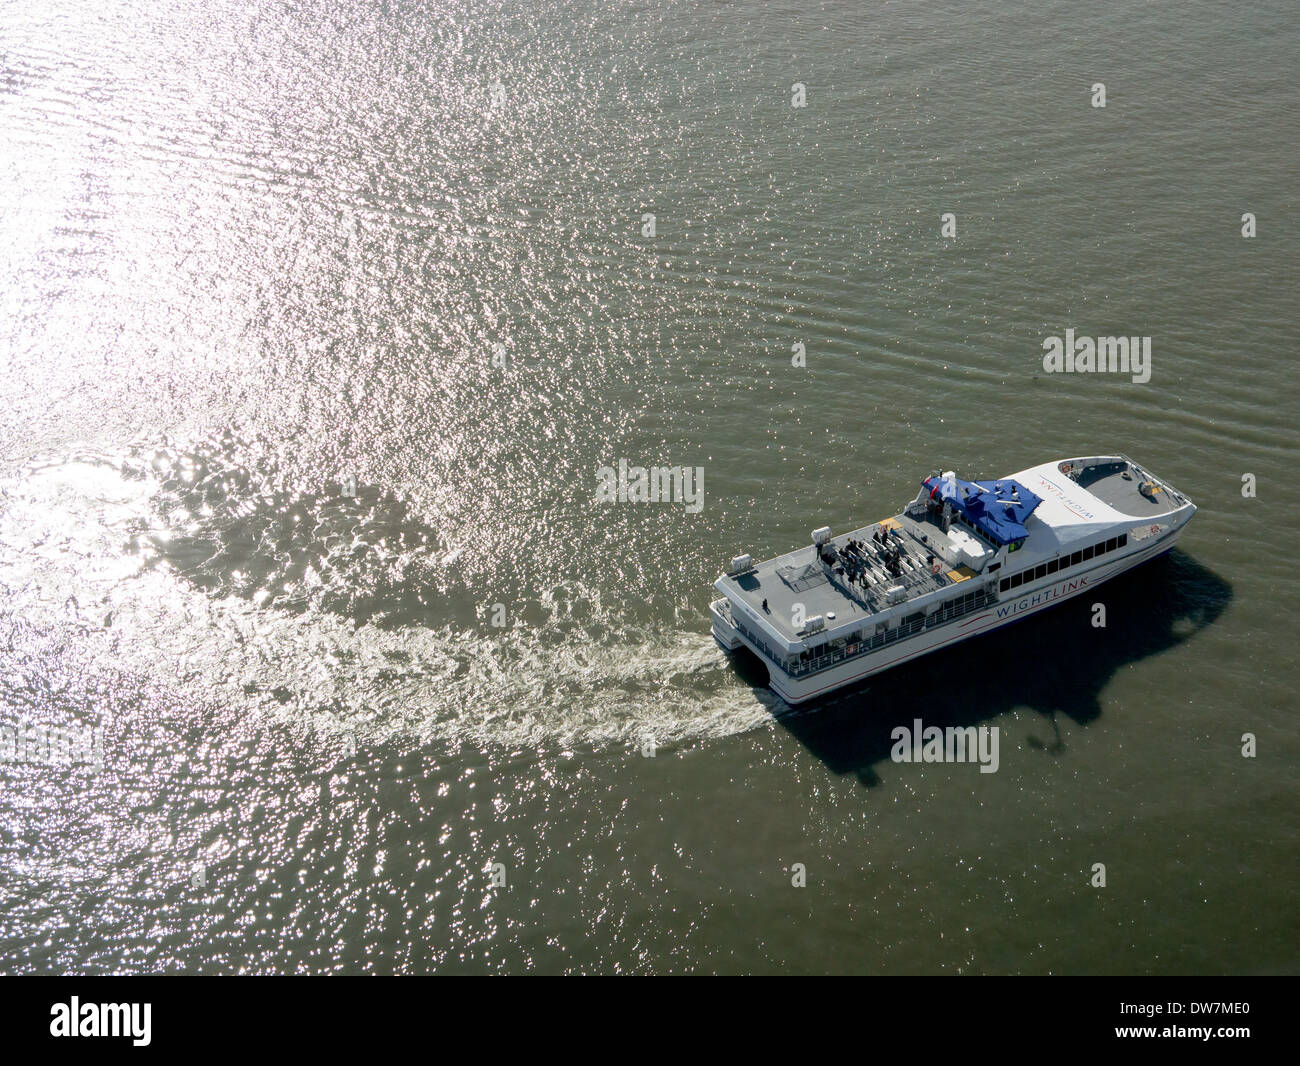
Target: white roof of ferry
(1068,512)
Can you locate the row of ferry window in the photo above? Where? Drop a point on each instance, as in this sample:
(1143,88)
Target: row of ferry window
(1043,569)
(884,633)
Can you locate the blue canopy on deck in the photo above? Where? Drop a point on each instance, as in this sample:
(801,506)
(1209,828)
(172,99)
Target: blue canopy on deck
(998,509)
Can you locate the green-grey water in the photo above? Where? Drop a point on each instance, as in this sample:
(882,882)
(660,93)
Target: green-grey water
(319,320)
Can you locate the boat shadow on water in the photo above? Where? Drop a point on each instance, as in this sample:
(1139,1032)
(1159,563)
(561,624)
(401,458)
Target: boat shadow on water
(1058,663)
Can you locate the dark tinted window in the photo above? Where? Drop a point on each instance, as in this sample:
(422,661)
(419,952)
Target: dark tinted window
(1053,566)
(1110,544)
(1076,558)
(1040,571)
(1123,539)
(1005,584)
(1016,579)
(1087,553)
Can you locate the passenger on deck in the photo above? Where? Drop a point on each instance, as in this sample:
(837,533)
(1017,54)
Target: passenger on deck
(766,608)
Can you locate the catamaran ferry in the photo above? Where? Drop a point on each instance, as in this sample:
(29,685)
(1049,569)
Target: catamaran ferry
(962,558)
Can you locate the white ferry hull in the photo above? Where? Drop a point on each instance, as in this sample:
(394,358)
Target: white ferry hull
(1030,600)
